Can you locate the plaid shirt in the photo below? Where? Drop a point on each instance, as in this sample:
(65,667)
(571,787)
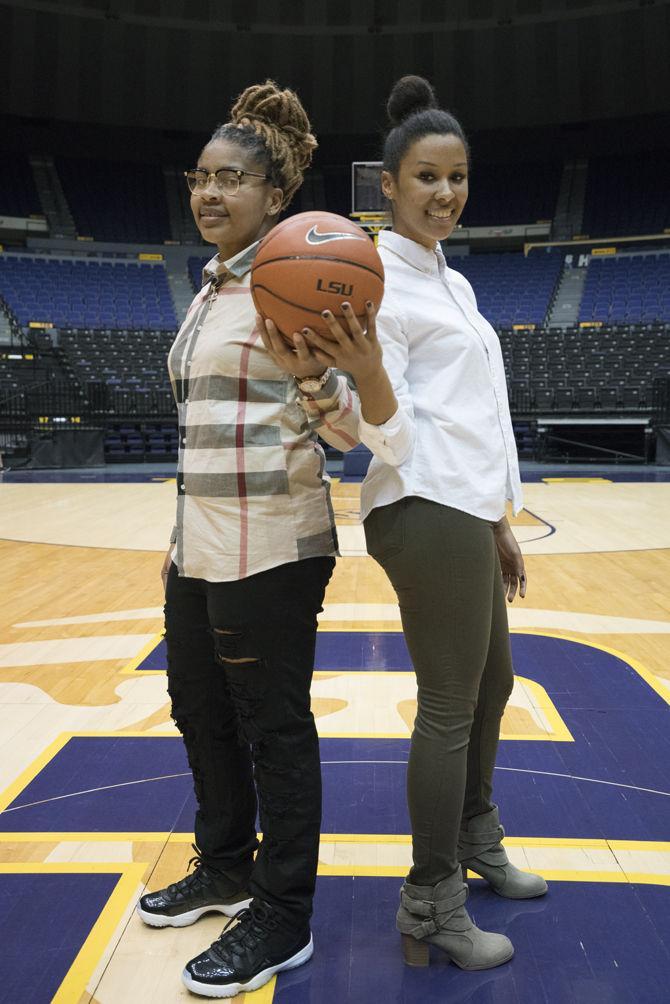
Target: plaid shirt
(252,492)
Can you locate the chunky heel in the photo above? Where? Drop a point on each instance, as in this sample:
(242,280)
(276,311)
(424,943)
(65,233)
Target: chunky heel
(436,916)
(415,953)
(480,848)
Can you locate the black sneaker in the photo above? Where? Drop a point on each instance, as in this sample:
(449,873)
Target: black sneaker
(185,901)
(247,955)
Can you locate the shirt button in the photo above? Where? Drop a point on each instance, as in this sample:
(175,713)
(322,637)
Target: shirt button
(188,363)
(183,442)
(183,487)
(186,401)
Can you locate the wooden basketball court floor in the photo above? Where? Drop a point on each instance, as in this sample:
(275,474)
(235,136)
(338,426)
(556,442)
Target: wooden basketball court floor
(97,799)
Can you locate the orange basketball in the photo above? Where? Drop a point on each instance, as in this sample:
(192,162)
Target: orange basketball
(313,262)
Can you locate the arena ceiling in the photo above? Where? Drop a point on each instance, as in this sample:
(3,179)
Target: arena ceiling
(177,65)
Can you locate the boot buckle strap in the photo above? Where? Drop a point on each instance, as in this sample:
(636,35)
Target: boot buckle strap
(451,904)
(419,907)
(424,930)
(434,908)
(477,837)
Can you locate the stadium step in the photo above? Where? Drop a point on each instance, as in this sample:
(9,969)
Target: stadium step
(569,214)
(567,301)
(52,197)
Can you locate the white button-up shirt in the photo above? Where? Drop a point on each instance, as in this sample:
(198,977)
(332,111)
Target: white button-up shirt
(451,440)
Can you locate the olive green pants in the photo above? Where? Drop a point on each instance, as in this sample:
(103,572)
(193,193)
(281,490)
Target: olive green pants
(444,567)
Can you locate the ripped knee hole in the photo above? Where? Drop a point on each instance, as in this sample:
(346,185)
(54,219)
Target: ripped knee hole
(229,645)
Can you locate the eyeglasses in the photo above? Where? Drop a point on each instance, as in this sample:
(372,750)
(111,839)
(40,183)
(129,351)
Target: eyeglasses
(226,179)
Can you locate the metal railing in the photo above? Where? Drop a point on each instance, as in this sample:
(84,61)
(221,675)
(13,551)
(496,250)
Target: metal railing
(92,402)
(660,409)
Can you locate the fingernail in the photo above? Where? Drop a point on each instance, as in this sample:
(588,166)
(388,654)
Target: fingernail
(325,313)
(305,331)
(368,304)
(346,306)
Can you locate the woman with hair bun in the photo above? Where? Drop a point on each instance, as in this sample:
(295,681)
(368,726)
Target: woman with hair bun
(433,504)
(249,559)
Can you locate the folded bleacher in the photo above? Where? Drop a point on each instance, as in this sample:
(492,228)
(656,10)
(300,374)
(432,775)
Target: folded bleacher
(18,194)
(80,293)
(508,194)
(627,195)
(627,289)
(116,201)
(510,288)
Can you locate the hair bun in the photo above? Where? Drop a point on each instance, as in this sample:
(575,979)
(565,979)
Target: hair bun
(409,95)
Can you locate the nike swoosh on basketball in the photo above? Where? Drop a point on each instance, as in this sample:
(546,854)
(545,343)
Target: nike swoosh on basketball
(314,237)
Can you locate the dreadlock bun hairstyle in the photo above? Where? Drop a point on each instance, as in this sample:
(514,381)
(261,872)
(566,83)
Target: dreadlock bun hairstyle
(272,125)
(413,112)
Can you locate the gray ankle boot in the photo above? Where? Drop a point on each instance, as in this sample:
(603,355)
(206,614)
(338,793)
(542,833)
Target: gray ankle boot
(480,849)
(435,915)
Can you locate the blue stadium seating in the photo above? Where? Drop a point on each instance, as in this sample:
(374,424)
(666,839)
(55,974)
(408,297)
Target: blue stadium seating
(195,267)
(82,293)
(625,289)
(627,195)
(18,194)
(511,289)
(116,201)
(506,194)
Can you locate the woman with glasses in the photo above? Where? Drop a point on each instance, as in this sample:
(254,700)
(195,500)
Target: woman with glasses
(245,574)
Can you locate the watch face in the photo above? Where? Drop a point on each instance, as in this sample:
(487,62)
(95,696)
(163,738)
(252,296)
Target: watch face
(312,384)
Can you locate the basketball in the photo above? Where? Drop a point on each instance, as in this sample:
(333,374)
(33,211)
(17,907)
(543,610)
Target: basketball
(313,262)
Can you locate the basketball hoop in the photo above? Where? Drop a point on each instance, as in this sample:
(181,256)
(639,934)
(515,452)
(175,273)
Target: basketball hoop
(373,223)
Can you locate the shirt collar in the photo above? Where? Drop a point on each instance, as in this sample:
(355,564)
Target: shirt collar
(237,266)
(432,262)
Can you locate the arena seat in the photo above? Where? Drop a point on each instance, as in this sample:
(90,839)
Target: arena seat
(625,289)
(82,293)
(510,288)
(507,194)
(627,195)
(195,267)
(576,370)
(123,360)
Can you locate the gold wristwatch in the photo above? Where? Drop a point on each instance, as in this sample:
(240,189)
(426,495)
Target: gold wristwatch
(313,384)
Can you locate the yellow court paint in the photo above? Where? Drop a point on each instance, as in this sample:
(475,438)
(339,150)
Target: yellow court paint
(74,984)
(33,769)
(577,481)
(635,664)
(149,836)
(559,732)
(83,837)
(47,755)
(144,652)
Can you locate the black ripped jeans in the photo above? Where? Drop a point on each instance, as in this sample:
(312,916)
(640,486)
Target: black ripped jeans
(240,664)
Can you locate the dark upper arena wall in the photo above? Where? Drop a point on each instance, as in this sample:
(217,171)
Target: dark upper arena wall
(176,65)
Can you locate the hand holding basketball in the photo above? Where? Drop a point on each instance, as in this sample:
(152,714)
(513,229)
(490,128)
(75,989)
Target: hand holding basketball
(301,362)
(356,351)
